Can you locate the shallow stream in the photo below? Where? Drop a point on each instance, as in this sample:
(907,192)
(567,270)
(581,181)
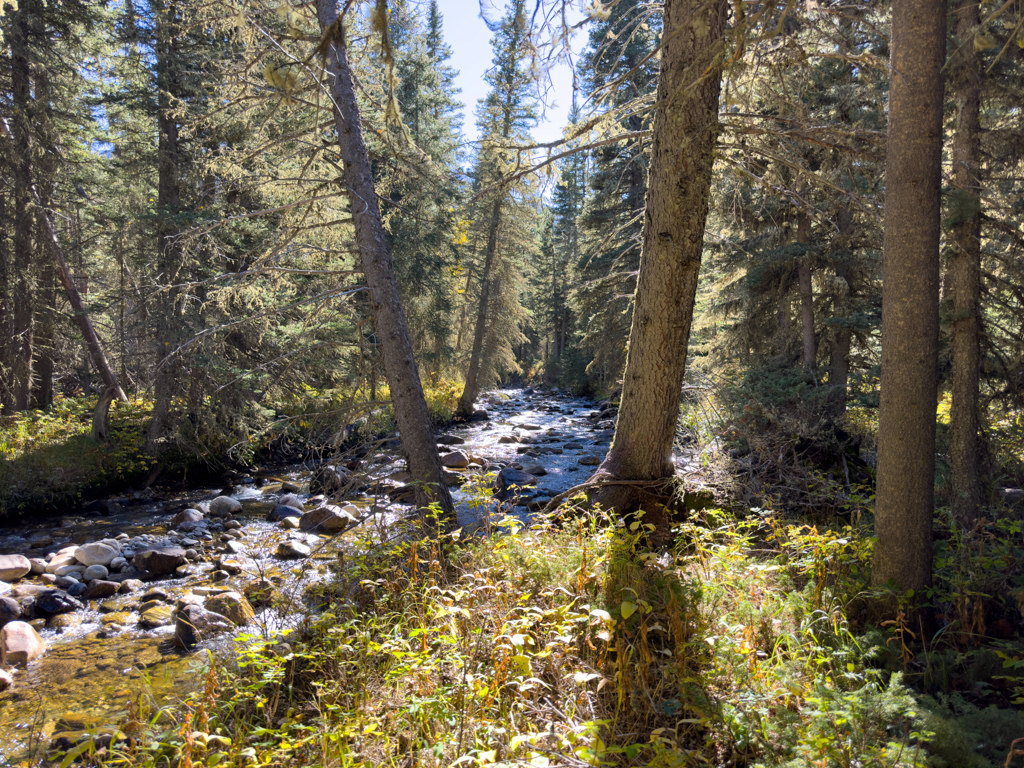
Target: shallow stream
(101,657)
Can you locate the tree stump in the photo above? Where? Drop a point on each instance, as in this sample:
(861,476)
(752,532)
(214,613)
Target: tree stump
(100,416)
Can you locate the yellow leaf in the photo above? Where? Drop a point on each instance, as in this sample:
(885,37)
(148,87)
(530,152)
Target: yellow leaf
(628,609)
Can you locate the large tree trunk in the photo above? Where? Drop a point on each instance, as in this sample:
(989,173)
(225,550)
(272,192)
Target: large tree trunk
(168,370)
(24,322)
(803,236)
(685,129)
(965,269)
(910,298)
(472,388)
(388,318)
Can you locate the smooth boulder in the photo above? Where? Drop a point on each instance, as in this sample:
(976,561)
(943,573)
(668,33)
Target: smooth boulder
(280,512)
(193,624)
(95,572)
(187,516)
(329,519)
(13,567)
(10,610)
(233,606)
(54,601)
(96,553)
(292,550)
(159,561)
(455,460)
(20,644)
(222,506)
(508,477)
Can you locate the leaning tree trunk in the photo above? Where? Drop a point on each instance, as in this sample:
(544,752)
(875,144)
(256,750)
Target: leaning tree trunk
(679,186)
(89,335)
(910,298)
(472,388)
(965,269)
(388,318)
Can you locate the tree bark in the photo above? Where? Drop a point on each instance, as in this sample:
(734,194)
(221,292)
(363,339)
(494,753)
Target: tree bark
(910,297)
(168,373)
(472,388)
(682,152)
(839,356)
(89,335)
(803,236)
(965,269)
(24,321)
(388,318)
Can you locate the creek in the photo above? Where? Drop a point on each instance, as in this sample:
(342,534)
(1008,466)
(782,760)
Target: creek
(101,657)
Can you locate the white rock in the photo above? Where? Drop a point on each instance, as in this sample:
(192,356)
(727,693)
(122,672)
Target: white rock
(98,552)
(223,506)
(38,565)
(20,643)
(60,560)
(13,567)
(70,570)
(117,564)
(6,680)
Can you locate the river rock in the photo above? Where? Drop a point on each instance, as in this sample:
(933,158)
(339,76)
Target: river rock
(130,585)
(223,506)
(6,680)
(233,606)
(13,567)
(62,558)
(455,460)
(329,519)
(38,565)
(95,572)
(282,511)
(20,644)
(54,601)
(78,589)
(187,516)
(63,621)
(590,461)
(233,547)
(100,589)
(536,470)
(232,525)
(290,550)
(156,616)
(96,553)
(193,624)
(290,500)
(117,564)
(10,610)
(290,523)
(160,561)
(6,589)
(573,447)
(74,571)
(328,479)
(508,477)
(507,439)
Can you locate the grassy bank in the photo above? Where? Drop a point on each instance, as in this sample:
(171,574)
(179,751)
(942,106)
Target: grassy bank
(49,461)
(571,646)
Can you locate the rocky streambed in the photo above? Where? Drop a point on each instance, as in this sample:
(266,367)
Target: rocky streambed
(95,608)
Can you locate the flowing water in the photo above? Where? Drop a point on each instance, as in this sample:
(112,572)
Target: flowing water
(101,658)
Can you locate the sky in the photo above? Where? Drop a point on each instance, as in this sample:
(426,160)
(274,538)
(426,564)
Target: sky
(470,41)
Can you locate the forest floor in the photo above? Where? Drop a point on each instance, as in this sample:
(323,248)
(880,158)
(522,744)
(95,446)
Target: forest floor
(565,642)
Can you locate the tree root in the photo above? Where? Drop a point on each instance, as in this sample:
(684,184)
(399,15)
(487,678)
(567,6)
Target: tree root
(596,482)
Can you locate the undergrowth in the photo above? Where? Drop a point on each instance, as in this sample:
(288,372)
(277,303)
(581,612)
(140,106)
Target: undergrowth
(573,646)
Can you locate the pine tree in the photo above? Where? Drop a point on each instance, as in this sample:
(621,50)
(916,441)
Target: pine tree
(504,220)
(619,73)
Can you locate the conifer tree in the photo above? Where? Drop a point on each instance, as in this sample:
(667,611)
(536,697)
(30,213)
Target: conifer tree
(504,216)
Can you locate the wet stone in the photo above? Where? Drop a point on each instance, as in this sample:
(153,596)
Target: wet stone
(99,589)
(156,616)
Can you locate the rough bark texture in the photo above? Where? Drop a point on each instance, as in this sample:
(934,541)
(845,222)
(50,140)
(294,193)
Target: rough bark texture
(388,318)
(168,202)
(472,388)
(24,322)
(803,236)
(910,297)
(965,269)
(685,128)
